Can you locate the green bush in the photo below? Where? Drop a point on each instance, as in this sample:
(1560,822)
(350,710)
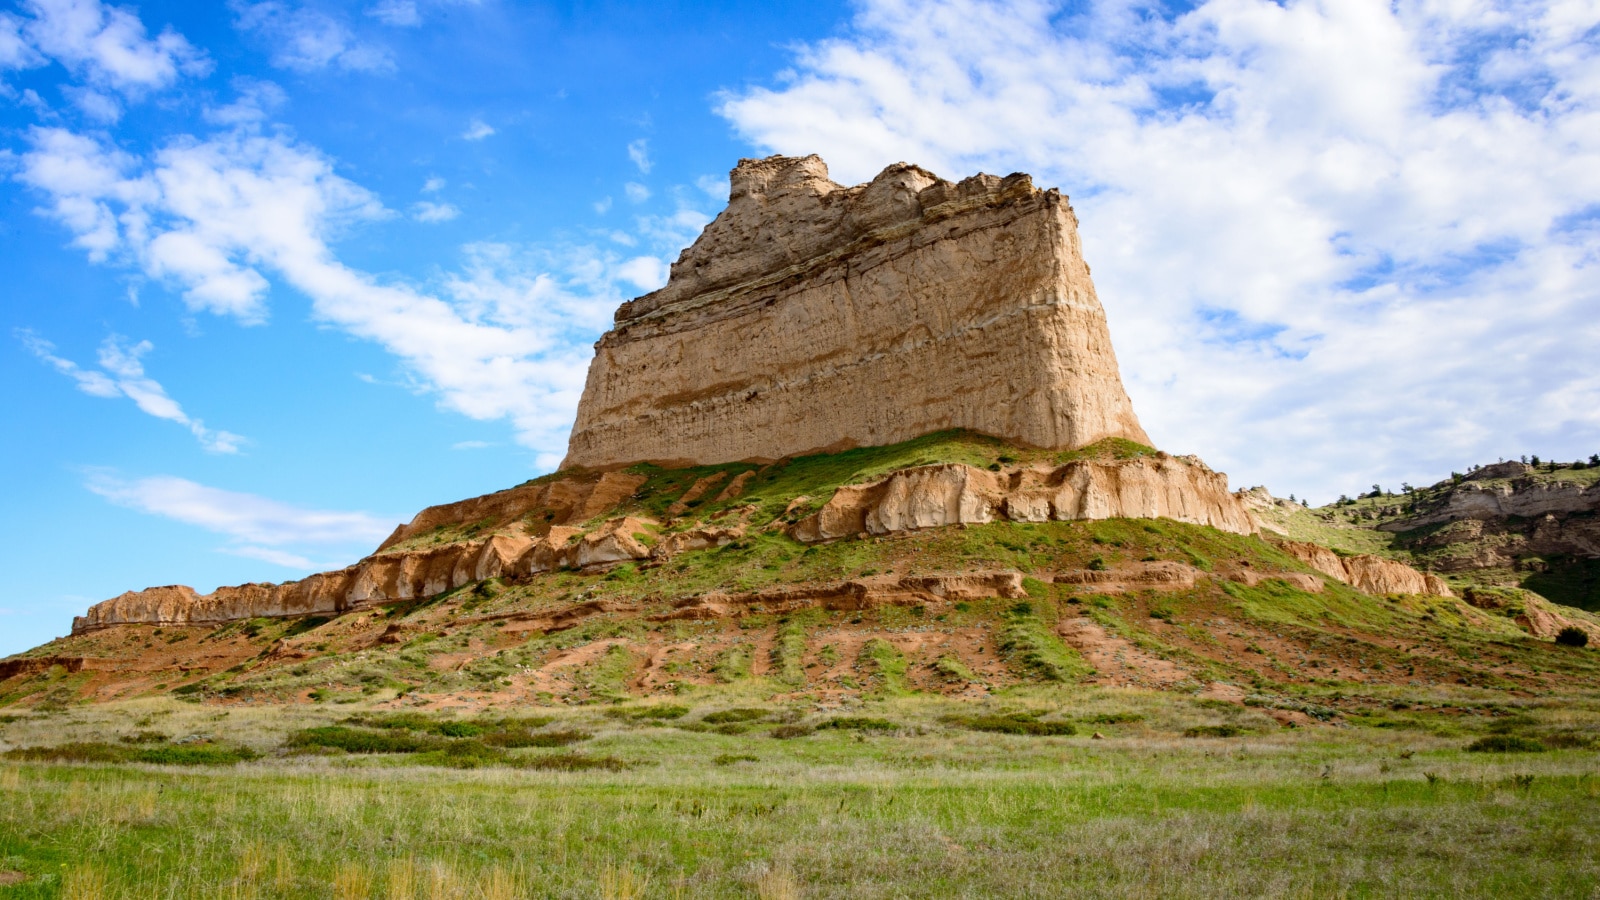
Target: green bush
(519,737)
(361,740)
(197,754)
(1505,743)
(859,723)
(1013,723)
(728,716)
(571,762)
(658,712)
(790,732)
(1221,731)
(1572,636)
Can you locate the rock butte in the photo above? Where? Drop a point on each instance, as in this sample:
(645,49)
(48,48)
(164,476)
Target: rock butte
(812,317)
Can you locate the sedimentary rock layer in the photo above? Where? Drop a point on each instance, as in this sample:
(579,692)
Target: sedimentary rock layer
(1180,488)
(1370,574)
(811,316)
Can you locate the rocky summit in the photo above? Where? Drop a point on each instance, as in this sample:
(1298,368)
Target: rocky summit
(811,317)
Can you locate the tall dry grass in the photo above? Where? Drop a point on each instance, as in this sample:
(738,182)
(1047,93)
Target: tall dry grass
(352,881)
(621,883)
(84,883)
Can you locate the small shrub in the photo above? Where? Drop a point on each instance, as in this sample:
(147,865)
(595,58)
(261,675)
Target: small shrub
(360,740)
(729,716)
(659,712)
(859,723)
(198,754)
(1220,731)
(1505,743)
(1572,636)
(790,732)
(728,759)
(518,738)
(1013,723)
(1113,719)
(572,762)
(1098,564)
(144,737)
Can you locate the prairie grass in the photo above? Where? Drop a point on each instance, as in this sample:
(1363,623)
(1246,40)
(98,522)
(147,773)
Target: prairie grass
(890,802)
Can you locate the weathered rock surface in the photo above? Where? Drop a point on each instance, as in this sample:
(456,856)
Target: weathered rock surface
(1370,574)
(1538,616)
(811,316)
(1527,499)
(571,497)
(953,494)
(860,593)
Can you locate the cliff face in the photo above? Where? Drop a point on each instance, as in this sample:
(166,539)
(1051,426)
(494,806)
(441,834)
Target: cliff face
(810,316)
(931,496)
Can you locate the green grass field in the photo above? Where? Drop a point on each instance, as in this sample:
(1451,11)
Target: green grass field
(903,797)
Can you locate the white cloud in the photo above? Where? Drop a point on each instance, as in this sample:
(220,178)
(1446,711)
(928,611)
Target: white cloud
(639,152)
(471,445)
(256,102)
(433,212)
(433,184)
(307,40)
(105,45)
(507,337)
(603,205)
(399,13)
(714,186)
(248,518)
(1337,242)
(637,193)
(646,273)
(477,130)
(122,374)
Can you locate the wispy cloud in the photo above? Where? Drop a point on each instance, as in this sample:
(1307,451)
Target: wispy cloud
(399,13)
(507,336)
(306,40)
(471,445)
(637,193)
(433,212)
(121,374)
(1361,227)
(477,130)
(433,184)
(639,152)
(260,528)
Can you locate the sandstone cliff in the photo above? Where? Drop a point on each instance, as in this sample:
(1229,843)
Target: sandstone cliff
(929,496)
(1367,573)
(812,316)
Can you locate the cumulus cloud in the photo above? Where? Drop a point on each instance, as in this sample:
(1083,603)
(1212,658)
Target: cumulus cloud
(107,47)
(477,130)
(433,184)
(637,193)
(506,337)
(1336,241)
(121,374)
(259,527)
(307,40)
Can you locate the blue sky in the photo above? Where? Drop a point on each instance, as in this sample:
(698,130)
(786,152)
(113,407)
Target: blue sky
(279,274)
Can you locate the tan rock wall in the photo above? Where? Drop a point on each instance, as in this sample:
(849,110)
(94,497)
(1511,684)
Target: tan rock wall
(811,316)
(1369,574)
(1157,486)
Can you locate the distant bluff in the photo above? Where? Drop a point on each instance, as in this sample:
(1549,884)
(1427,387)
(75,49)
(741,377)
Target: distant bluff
(813,317)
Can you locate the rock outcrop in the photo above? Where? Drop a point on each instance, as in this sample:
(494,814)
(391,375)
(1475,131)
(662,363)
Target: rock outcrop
(1366,573)
(810,316)
(1180,488)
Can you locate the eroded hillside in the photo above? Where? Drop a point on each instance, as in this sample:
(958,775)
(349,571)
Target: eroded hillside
(962,587)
